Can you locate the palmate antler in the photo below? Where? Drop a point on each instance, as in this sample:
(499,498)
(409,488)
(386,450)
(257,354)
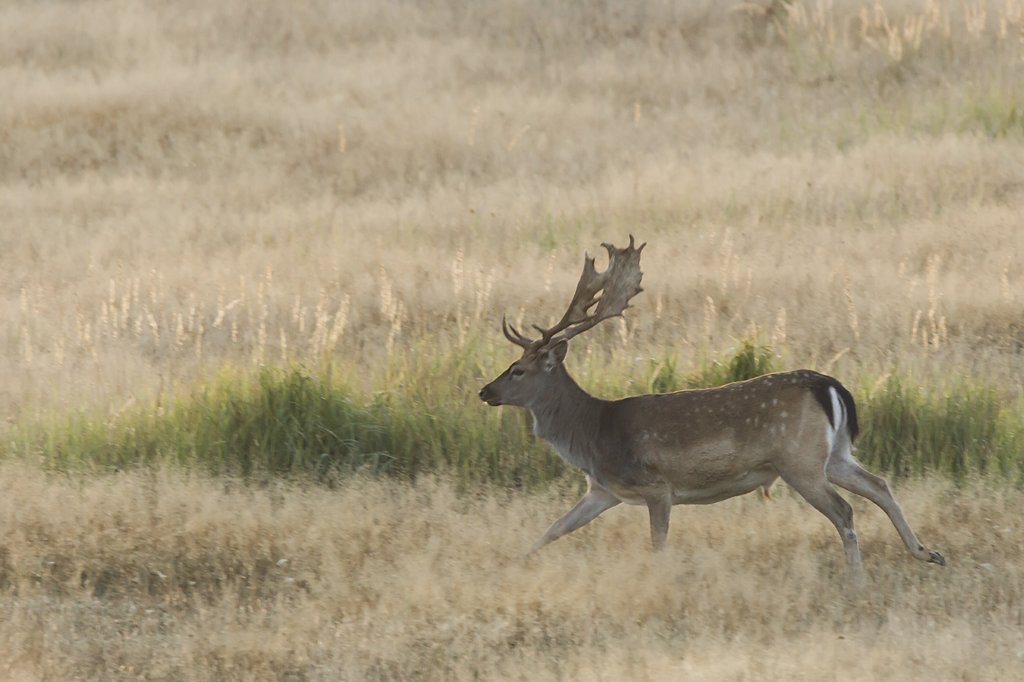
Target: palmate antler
(610,291)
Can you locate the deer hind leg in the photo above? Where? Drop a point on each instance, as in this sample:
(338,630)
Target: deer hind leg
(590,506)
(813,487)
(845,471)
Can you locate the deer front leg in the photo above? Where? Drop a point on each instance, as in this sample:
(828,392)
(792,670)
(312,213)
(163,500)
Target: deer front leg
(659,509)
(590,506)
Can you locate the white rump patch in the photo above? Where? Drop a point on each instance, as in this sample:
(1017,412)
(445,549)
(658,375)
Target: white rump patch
(838,416)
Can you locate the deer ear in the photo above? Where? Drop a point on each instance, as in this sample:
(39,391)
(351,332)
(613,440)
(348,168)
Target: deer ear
(553,357)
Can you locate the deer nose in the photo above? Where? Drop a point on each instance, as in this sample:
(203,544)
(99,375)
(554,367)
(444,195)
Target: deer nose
(487,395)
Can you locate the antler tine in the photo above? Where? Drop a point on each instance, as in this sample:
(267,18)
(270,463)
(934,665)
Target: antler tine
(598,296)
(513,335)
(610,291)
(610,247)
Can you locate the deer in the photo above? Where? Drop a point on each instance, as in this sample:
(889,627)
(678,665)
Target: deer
(695,446)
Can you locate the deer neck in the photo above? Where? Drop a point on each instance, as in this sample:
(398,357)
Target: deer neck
(569,418)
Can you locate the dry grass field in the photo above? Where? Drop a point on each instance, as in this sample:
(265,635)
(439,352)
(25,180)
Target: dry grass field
(183,185)
(161,576)
(195,189)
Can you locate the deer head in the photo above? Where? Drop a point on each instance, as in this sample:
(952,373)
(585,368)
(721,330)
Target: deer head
(599,296)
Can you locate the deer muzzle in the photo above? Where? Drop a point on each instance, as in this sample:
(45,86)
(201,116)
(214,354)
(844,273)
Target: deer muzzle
(487,394)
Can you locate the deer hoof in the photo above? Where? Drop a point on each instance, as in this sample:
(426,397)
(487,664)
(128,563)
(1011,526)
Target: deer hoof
(936,558)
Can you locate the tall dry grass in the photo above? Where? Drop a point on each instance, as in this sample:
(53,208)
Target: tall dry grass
(186,185)
(159,575)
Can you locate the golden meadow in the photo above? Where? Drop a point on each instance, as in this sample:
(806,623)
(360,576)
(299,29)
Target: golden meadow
(256,255)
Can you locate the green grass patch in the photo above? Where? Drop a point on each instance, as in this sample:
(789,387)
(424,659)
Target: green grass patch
(426,418)
(998,113)
(962,429)
(292,421)
(749,360)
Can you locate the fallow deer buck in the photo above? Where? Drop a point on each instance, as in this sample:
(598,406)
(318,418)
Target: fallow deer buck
(690,447)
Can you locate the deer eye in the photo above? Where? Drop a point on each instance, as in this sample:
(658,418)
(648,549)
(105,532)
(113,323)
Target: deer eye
(517,372)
